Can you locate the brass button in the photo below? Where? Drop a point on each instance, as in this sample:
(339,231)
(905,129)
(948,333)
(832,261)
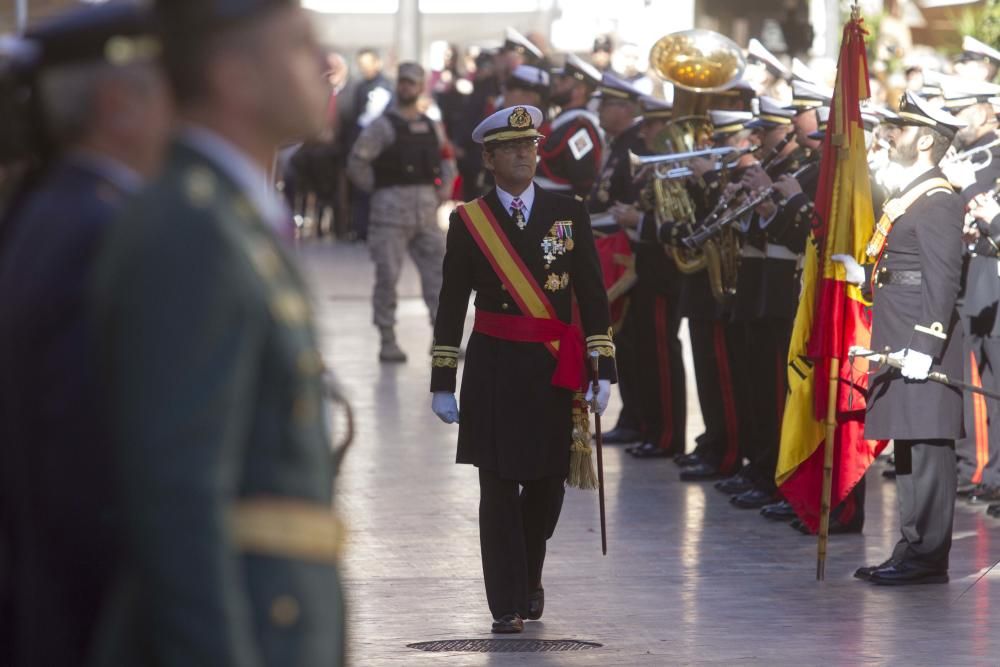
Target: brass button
(505,306)
(409,169)
(285,611)
(503,287)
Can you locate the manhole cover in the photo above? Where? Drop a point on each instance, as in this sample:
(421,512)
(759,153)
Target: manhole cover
(503,645)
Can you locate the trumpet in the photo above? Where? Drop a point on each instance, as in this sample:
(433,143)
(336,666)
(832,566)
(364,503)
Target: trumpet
(710,228)
(967,154)
(660,162)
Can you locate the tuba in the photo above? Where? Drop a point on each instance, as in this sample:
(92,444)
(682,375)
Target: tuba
(702,65)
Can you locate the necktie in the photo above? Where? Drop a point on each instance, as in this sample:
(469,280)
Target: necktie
(517,212)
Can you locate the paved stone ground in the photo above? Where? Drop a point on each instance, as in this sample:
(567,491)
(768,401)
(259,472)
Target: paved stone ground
(688,579)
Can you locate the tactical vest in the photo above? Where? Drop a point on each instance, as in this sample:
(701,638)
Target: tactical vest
(414,158)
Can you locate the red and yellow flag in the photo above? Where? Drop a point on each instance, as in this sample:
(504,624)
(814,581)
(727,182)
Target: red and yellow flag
(832,315)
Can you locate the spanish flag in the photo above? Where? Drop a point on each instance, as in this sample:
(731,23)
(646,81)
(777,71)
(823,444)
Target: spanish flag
(832,315)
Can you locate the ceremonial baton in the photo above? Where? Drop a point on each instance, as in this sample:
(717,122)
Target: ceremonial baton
(880,358)
(595,387)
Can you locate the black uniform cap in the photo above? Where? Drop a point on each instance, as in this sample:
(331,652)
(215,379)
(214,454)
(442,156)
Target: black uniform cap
(117,33)
(518,43)
(182,17)
(615,87)
(580,70)
(915,111)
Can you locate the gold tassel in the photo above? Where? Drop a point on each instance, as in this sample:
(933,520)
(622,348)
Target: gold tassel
(582,474)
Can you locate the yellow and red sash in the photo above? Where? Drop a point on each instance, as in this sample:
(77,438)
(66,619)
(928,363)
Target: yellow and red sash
(540,323)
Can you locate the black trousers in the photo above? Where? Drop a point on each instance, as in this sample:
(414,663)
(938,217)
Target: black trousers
(979,452)
(925,485)
(661,383)
(711,340)
(764,391)
(515,521)
(627,364)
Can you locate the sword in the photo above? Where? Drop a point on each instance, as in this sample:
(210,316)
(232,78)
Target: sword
(878,357)
(594,388)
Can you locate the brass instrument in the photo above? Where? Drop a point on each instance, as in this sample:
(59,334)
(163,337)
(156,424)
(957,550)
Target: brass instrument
(704,233)
(967,155)
(637,162)
(701,64)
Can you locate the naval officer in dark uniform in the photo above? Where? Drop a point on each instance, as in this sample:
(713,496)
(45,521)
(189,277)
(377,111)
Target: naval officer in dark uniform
(210,358)
(516,424)
(915,287)
(107,122)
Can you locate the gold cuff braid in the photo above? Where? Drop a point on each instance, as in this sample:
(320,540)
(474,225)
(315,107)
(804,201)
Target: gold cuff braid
(602,350)
(444,362)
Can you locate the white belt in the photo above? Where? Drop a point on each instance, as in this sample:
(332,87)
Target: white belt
(773,252)
(781,252)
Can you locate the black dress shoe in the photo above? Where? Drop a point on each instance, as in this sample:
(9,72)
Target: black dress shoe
(536,604)
(865,573)
(700,473)
(965,488)
(906,573)
(735,485)
(508,624)
(994,511)
(687,460)
(779,511)
(984,495)
(648,450)
(620,436)
(753,499)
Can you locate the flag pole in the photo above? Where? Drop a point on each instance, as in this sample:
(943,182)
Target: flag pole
(828,448)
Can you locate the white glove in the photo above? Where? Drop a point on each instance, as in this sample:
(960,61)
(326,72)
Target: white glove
(916,365)
(603,395)
(855,272)
(445,406)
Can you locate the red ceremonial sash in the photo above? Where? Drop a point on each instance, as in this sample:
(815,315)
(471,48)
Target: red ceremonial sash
(539,324)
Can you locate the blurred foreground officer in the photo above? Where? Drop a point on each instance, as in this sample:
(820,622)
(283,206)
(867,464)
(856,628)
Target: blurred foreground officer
(527,253)
(915,286)
(398,159)
(106,119)
(210,356)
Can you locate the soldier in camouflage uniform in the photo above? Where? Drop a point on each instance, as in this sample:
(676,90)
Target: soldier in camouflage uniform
(399,159)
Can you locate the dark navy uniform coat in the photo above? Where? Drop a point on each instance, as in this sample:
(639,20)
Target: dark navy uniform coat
(927,238)
(55,476)
(512,420)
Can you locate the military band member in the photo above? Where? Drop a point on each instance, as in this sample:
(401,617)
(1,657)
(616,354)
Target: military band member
(716,454)
(518,50)
(526,253)
(210,357)
(915,284)
(618,110)
(653,315)
(978,61)
(398,159)
(979,451)
(759,345)
(108,122)
(529,86)
(570,155)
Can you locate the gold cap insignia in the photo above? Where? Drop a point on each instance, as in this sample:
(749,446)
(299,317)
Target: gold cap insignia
(519,119)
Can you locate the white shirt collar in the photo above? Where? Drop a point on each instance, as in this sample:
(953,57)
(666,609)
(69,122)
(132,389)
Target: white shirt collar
(909,176)
(527,198)
(248,177)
